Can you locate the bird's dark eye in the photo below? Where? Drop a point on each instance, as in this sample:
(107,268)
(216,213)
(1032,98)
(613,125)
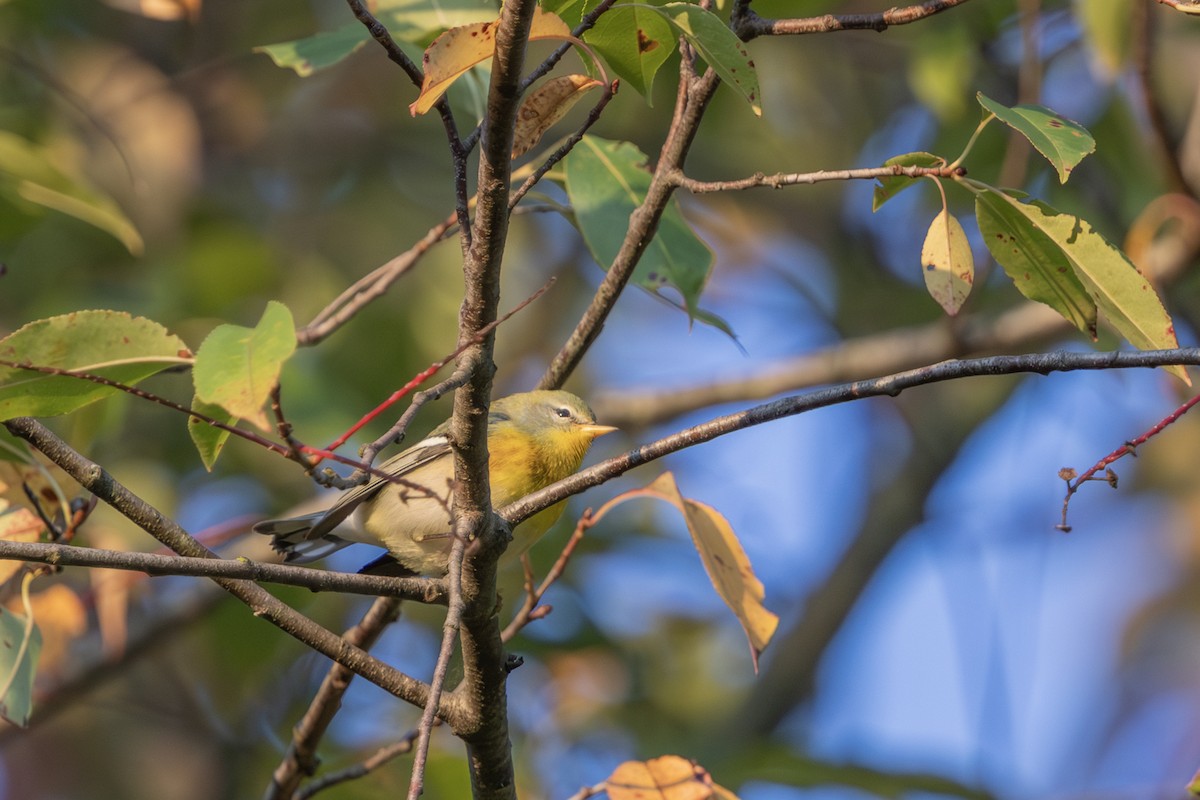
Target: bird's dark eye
(564,413)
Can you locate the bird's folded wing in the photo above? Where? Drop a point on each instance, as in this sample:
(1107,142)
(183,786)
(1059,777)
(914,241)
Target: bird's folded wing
(420,454)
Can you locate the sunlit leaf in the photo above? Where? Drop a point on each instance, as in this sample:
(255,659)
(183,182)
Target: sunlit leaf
(1122,293)
(719,46)
(111,344)
(724,560)
(663,778)
(459,49)
(32,174)
(545,106)
(947,263)
(606,181)
(209,439)
(1037,266)
(237,367)
(635,41)
(1060,141)
(891,186)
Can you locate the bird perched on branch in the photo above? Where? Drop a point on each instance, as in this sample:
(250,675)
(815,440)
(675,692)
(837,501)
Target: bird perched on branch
(534,439)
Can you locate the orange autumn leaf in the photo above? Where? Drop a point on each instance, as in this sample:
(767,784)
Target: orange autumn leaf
(61,618)
(450,55)
(664,778)
(724,559)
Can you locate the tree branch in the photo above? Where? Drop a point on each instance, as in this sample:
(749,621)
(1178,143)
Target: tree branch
(301,758)
(480,715)
(691,100)
(748,25)
(97,481)
(889,385)
(370,287)
(779,180)
(422,590)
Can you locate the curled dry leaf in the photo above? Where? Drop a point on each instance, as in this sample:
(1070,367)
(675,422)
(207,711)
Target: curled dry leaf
(458,49)
(664,778)
(547,105)
(724,559)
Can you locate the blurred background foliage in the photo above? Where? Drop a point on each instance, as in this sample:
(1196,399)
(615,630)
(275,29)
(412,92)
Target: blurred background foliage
(939,637)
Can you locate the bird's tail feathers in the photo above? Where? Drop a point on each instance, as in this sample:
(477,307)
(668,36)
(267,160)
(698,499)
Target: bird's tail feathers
(290,537)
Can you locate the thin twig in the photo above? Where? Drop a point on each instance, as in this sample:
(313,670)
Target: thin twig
(450,632)
(779,180)
(395,433)
(371,286)
(747,24)
(379,33)
(534,594)
(261,603)
(1129,448)
(301,758)
(888,385)
(690,101)
(423,590)
(590,791)
(374,762)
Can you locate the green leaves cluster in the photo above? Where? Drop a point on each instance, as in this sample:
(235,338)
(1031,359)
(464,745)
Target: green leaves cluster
(1052,257)
(605,180)
(61,364)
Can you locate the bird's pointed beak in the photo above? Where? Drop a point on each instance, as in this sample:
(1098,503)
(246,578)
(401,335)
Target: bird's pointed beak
(597,430)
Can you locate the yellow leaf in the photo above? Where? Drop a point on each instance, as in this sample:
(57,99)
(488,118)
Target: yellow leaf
(724,559)
(947,264)
(664,778)
(546,106)
(458,49)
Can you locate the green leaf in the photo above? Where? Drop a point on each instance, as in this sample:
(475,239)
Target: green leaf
(1060,141)
(20,646)
(306,56)
(605,182)
(408,21)
(209,439)
(1036,264)
(634,40)
(717,45)
(891,186)
(1122,293)
(236,367)
(32,174)
(111,344)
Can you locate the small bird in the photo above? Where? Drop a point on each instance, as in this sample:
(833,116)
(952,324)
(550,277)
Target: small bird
(534,439)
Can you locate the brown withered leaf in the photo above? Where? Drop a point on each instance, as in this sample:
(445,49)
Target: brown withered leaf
(545,106)
(664,778)
(458,49)
(724,559)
